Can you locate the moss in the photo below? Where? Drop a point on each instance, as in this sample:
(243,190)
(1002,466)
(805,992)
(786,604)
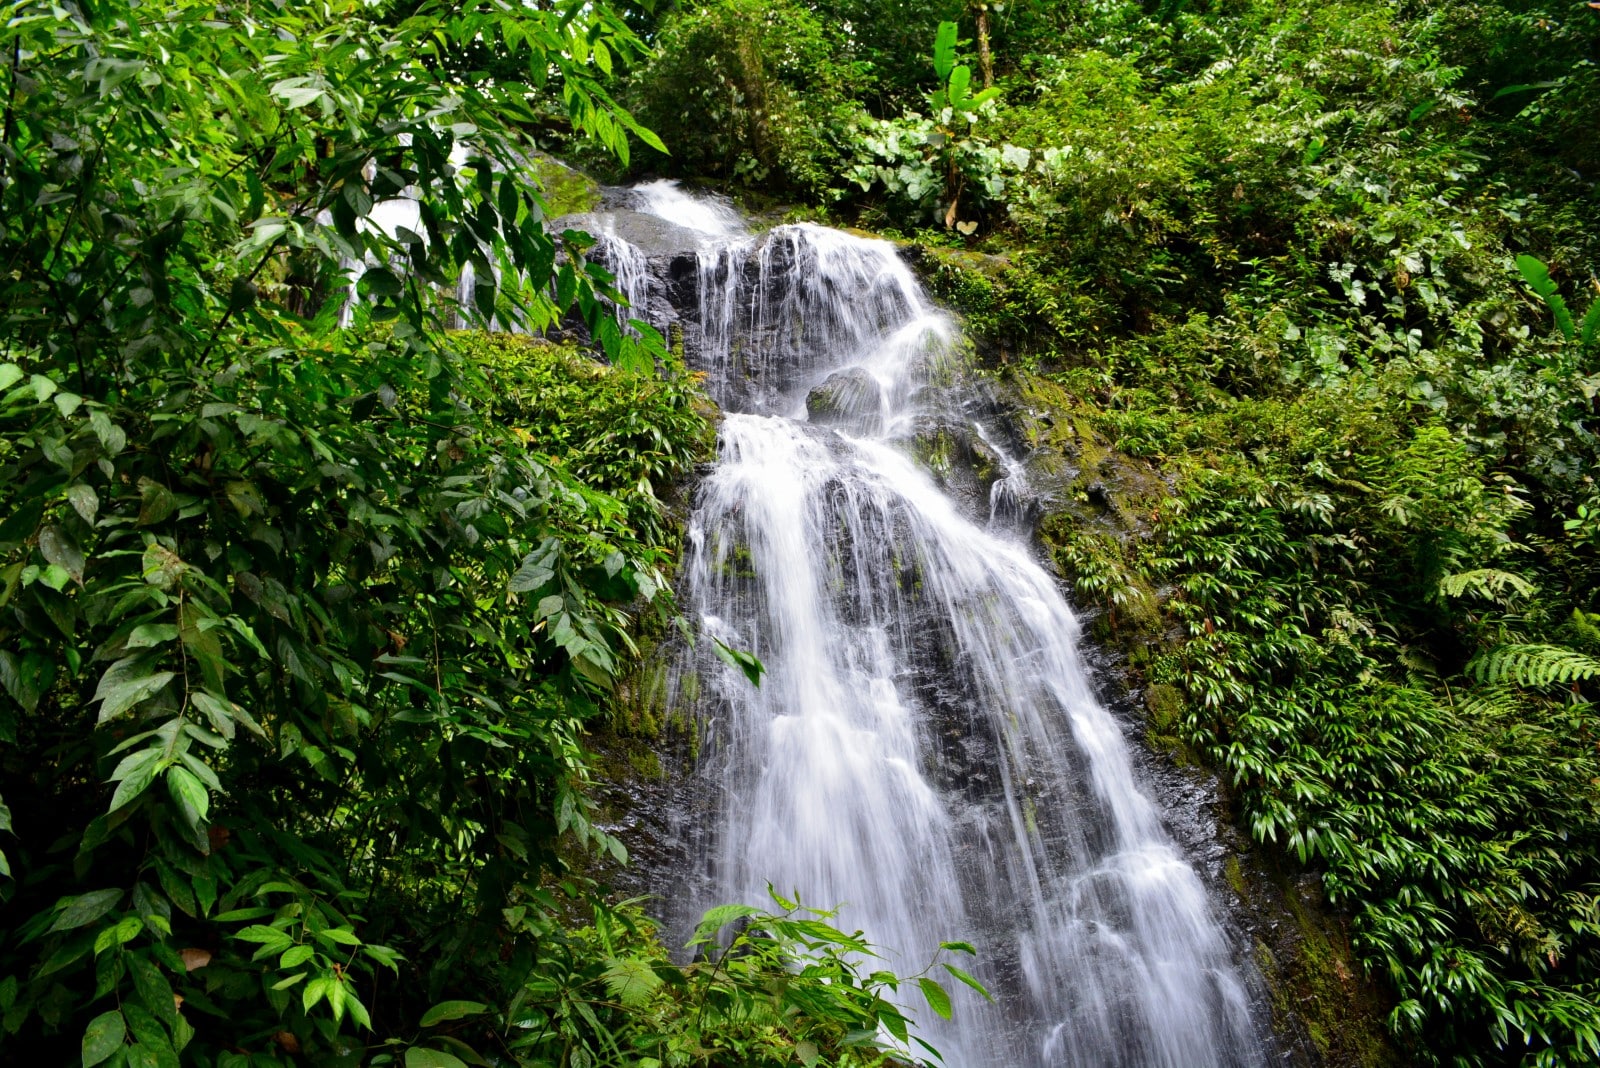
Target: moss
(934,451)
(967,262)
(1233,872)
(1328,984)
(566,191)
(736,563)
(1165,704)
(647,764)
(1315,986)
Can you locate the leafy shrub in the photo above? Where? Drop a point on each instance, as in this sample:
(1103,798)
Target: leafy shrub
(1279,251)
(747,91)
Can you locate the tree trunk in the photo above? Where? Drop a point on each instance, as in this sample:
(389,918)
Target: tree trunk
(985,60)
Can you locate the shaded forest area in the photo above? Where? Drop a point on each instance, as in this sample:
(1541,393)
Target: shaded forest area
(303,610)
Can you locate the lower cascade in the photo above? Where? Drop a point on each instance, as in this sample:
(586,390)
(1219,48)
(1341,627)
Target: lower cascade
(925,750)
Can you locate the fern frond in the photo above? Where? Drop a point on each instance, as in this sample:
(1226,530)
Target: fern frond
(1491,703)
(1533,665)
(1487,582)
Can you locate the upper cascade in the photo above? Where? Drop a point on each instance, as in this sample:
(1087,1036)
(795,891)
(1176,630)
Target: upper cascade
(707,215)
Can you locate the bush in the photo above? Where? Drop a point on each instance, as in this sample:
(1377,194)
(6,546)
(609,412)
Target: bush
(748,91)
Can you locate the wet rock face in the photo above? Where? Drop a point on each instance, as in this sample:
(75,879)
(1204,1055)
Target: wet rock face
(849,400)
(655,237)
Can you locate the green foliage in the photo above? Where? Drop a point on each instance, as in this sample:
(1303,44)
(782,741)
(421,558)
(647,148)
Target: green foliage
(1538,278)
(627,435)
(747,91)
(764,988)
(1398,690)
(1332,581)
(1534,666)
(927,164)
(297,635)
(300,622)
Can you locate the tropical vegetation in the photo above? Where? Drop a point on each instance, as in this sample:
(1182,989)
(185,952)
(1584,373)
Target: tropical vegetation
(306,596)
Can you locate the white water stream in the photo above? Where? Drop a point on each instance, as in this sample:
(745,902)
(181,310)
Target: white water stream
(925,749)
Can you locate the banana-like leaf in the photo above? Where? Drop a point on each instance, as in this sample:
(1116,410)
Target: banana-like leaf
(1538,278)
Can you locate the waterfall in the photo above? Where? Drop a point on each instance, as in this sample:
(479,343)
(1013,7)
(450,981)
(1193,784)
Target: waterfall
(925,750)
(630,270)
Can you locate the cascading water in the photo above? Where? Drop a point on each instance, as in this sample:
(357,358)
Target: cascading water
(925,749)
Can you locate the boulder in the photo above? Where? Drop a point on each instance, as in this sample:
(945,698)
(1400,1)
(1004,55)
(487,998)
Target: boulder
(848,400)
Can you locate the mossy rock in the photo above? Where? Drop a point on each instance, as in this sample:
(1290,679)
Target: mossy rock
(850,399)
(1166,706)
(961,259)
(1318,992)
(566,191)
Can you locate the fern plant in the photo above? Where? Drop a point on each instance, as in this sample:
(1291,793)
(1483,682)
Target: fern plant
(1534,666)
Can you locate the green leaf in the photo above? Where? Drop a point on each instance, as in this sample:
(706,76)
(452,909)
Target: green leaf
(938,1000)
(189,793)
(1533,665)
(969,980)
(1538,277)
(84,501)
(103,1037)
(1526,87)
(452,1010)
(631,981)
(153,988)
(223,714)
(56,547)
(126,930)
(320,987)
(343,936)
(295,956)
(537,569)
(745,662)
(147,635)
(84,909)
(960,79)
(1591,325)
(976,102)
(141,1055)
(267,936)
(719,917)
(894,1020)
(136,772)
(944,50)
(10,375)
(112,437)
(422,1057)
(125,684)
(156,502)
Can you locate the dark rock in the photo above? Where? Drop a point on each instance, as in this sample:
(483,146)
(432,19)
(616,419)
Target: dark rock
(850,400)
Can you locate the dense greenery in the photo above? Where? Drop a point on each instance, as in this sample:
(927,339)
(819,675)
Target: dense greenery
(304,599)
(1303,294)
